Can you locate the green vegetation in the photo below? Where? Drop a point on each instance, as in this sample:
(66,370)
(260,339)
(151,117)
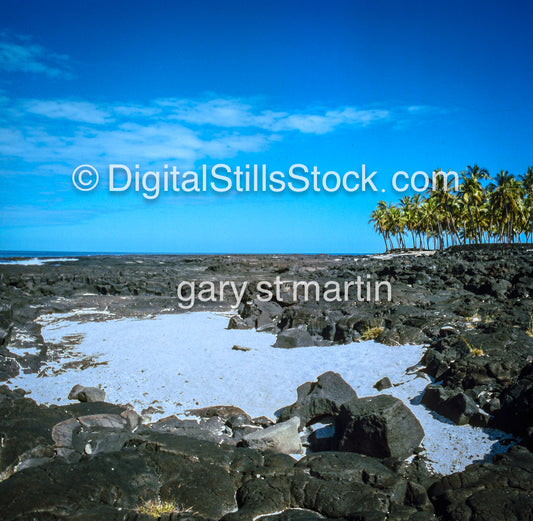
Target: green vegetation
(490,317)
(476,317)
(529,330)
(156,507)
(371,333)
(483,210)
(476,351)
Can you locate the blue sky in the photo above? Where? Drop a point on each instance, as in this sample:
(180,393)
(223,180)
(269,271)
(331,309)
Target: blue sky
(392,85)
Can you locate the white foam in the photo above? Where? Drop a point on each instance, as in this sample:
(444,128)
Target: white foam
(38,261)
(178,362)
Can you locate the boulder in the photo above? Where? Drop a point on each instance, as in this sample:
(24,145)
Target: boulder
(294,337)
(457,407)
(212,429)
(384,383)
(132,418)
(229,413)
(8,368)
(4,333)
(86,394)
(236,322)
(319,400)
(269,313)
(260,314)
(379,426)
(90,435)
(63,432)
(282,437)
(516,414)
(6,319)
(435,363)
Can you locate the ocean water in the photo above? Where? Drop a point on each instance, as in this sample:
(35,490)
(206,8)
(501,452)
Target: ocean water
(44,254)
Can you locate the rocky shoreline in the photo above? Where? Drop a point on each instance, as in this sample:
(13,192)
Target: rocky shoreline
(472,307)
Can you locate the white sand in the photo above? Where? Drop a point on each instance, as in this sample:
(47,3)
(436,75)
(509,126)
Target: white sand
(416,253)
(177,362)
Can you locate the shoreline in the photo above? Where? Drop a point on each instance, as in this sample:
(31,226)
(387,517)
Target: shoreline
(469,308)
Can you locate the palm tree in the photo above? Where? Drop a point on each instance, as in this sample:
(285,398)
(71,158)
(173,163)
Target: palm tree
(507,205)
(445,208)
(471,197)
(428,221)
(500,211)
(378,218)
(527,183)
(408,209)
(527,180)
(395,224)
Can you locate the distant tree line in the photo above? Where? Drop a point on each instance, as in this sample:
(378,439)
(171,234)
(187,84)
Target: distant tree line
(484,209)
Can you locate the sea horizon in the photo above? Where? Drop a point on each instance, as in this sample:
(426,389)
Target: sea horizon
(6,254)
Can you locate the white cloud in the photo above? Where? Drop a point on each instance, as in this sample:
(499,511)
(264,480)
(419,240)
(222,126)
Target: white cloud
(79,111)
(330,120)
(218,112)
(136,111)
(69,132)
(20,54)
(232,113)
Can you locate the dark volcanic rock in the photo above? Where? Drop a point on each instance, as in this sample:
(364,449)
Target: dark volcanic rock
(134,464)
(8,369)
(471,305)
(353,468)
(90,435)
(516,412)
(259,314)
(490,492)
(55,491)
(294,337)
(86,394)
(382,384)
(229,413)
(24,425)
(261,495)
(238,322)
(380,426)
(199,476)
(205,489)
(6,321)
(458,406)
(337,485)
(319,400)
(210,429)
(340,499)
(282,437)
